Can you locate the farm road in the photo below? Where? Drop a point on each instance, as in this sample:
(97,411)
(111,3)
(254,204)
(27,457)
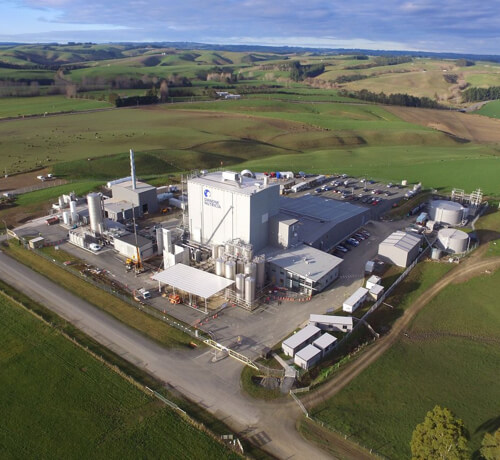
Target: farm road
(471,267)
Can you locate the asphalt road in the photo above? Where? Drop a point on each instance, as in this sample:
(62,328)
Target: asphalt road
(214,386)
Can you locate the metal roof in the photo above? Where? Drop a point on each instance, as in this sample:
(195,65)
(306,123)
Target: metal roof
(139,186)
(192,280)
(129,238)
(324,341)
(331,319)
(302,336)
(377,289)
(308,353)
(356,297)
(303,260)
(402,240)
(247,186)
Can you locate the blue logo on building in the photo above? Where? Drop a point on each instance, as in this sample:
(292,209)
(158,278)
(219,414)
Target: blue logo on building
(207,193)
(208,201)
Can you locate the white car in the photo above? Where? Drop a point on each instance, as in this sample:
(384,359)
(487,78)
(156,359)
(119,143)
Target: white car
(95,247)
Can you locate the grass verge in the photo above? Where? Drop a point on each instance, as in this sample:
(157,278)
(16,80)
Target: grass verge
(250,384)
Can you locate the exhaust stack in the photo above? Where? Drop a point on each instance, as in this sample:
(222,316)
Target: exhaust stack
(132,169)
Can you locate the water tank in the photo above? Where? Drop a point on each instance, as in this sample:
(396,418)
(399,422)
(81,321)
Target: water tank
(230,270)
(240,266)
(240,286)
(228,249)
(219,267)
(250,269)
(221,251)
(164,196)
(436,254)
(72,206)
(261,272)
(74,217)
(249,289)
(61,202)
(447,212)
(95,213)
(453,241)
(66,217)
(159,239)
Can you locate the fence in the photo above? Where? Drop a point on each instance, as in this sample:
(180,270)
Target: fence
(42,185)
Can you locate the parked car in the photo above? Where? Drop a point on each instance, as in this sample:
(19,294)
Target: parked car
(352,242)
(359,236)
(341,248)
(95,247)
(318,190)
(365,233)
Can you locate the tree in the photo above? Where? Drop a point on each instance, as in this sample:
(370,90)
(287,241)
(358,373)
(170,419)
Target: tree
(163,91)
(490,447)
(440,436)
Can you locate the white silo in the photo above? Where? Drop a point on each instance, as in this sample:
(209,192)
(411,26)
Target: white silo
(62,204)
(230,270)
(249,289)
(453,241)
(240,286)
(167,239)
(219,267)
(95,213)
(66,217)
(159,239)
(251,269)
(447,212)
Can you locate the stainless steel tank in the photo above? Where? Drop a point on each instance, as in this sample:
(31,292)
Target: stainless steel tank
(240,286)
(240,266)
(219,267)
(95,212)
(447,212)
(159,239)
(249,289)
(251,269)
(261,272)
(230,270)
(66,217)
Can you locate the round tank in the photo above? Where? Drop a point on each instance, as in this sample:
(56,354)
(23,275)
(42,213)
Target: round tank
(215,251)
(436,254)
(240,286)
(72,206)
(230,270)
(261,273)
(66,217)
(251,269)
(95,213)
(446,212)
(240,266)
(247,254)
(219,267)
(228,248)
(221,251)
(249,289)
(164,196)
(61,202)
(197,255)
(74,217)
(453,241)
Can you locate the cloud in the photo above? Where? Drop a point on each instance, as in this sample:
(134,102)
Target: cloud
(446,25)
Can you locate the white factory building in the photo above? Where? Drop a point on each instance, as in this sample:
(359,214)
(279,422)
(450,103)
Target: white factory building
(400,248)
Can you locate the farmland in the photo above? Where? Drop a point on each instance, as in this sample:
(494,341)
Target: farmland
(63,403)
(451,351)
(491,109)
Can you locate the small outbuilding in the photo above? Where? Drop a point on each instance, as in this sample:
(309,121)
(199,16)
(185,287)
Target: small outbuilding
(376,291)
(372,281)
(128,245)
(325,343)
(37,242)
(307,357)
(400,248)
(355,301)
(331,322)
(300,339)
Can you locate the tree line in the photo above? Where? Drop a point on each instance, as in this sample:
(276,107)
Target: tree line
(300,72)
(380,61)
(481,94)
(405,100)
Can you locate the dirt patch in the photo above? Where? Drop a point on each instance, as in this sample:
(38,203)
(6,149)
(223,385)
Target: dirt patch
(475,128)
(22,180)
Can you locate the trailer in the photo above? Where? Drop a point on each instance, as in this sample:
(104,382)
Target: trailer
(355,301)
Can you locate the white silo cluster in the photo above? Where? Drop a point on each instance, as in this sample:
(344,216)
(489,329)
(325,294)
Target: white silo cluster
(235,261)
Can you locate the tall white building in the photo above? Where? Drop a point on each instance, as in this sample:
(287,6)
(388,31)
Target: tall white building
(225,205)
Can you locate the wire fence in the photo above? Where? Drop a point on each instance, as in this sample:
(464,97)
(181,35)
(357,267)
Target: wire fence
(42,185)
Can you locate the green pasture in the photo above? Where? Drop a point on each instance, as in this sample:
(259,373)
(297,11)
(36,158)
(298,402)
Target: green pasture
(59,402)
(484,80)
(43,195)
(491,109)
(25,106)
(450,358)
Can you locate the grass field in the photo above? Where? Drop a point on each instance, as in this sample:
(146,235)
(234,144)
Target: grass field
(491,109)
(19,106)
(121,310)
(451,358)
(59,402)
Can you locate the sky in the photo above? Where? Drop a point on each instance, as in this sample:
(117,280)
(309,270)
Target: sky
(462,26)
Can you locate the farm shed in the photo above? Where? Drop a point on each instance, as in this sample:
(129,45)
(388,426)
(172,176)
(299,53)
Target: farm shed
(300,339)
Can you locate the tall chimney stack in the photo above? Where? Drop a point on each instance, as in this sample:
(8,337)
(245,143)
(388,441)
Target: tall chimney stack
(132,169)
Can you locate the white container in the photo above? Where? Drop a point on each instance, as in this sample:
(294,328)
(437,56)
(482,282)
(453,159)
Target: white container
(219,267)
(249,290)
(230,270)
(240,286)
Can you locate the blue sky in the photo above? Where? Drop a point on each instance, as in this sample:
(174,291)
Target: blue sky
(470,26)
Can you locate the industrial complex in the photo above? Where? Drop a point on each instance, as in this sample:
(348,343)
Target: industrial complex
(248,239)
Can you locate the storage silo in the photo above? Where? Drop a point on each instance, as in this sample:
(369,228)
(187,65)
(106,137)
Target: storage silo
(261,272)
(436,253)
(249,289)
(251,269)
(66,217)
(240,286)
(447,212)
(221,251)
(95,213)
(62,204)
(228,249)
(230,270)
(248,253)
(167,240)
(453,241)
(159,239)
(215,251)
(219,267)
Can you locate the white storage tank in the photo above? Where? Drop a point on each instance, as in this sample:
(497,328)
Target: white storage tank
(261,272)
(240,286)
(228,249)
(240,266)
(453,241)
(251,269)
(221,251)
(219,267)
(95,212)
(159,239)
(72,206)
(230,270)
(447,212)
(215,251)
(249,289)
(167,240)
(61,202)
(66,217)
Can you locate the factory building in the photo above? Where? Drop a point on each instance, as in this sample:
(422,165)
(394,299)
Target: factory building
(128,245)
(142,196)
(400,248)
(302,268)
(226,205)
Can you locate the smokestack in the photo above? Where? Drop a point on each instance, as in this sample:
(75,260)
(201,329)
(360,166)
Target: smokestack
(132,169)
